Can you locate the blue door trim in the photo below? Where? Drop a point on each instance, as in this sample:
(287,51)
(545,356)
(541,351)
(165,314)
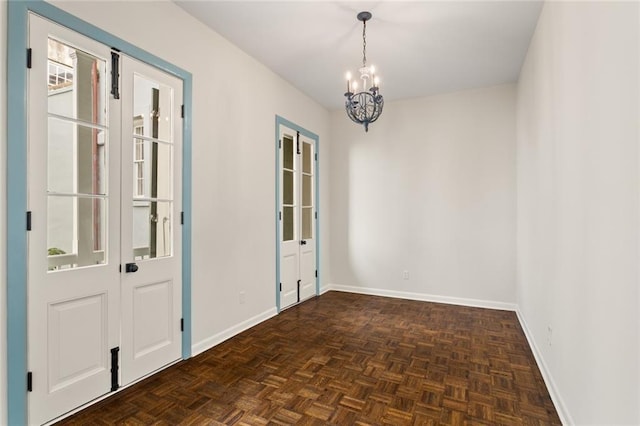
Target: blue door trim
(17,37)
(316,142)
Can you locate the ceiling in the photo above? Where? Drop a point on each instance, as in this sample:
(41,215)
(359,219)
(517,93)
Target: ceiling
(419,48)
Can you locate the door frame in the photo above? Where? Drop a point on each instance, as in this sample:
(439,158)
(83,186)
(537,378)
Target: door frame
(17,130)
(316,143)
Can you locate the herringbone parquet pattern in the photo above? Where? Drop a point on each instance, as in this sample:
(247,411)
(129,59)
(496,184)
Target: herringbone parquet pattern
(347,359)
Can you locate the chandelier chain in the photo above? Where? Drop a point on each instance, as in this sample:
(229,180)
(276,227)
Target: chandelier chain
(364,44)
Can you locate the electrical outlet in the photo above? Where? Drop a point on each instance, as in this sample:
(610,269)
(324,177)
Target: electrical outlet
(242,297)
(549,335)
(405,275)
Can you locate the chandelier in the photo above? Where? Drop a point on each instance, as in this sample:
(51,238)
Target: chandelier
(366,106)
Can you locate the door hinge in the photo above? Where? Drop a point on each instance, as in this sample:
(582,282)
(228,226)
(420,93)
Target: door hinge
(29,381)
(280,286)
(316,273)
(316,156)
(316,215)
(298,142)
(114,369)
(280,215)
(181,218)
(181,324)
(28,221)
(29,57)
(279,143)
(182,111)
(115,74)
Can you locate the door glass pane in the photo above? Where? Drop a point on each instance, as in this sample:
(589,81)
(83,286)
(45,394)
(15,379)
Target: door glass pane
(152,222)
(306,158)
(77,84)
(76,231)
(287,145)
(287,187)
(76,158)
(307,224)
(152,169)
(152,109)
(307,196)
(287,224)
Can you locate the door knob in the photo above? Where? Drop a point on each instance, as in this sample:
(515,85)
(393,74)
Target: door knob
(131,267)
(302,242)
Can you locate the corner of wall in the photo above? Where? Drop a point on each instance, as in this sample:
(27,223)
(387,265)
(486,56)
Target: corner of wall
(561,407)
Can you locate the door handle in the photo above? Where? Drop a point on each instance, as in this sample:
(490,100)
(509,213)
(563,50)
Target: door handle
(302,242)
(130,267)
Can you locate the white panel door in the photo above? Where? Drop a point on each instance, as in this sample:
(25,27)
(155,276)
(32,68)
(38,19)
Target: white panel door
(289,219)
(74,242)
(151,209)
(306,177)
(297,217)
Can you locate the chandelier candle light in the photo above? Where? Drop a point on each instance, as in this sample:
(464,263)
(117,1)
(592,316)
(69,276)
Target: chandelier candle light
(366,106)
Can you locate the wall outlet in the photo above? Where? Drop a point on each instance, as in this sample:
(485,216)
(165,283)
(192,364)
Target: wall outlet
(242,297)
(549,335)
(405,275)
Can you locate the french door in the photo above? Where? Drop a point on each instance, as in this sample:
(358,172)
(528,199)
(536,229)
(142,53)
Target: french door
(104,255)
(297,217)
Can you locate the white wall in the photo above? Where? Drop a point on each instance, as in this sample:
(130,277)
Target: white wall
(3,217)
(578,214)
(430,189)
(235,100)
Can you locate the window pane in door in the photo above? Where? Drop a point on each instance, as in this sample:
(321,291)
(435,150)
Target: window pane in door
(76,158)
(152,169)
(306,158)
(288,224)
(287,146)
(76,231)
(77,84)
(307,195)
(152,229)
(307,223)
(287,187)
(152,109)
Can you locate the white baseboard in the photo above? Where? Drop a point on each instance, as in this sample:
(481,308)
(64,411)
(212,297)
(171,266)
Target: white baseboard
(216,339)
(503,306)
(561,408)
(324,289)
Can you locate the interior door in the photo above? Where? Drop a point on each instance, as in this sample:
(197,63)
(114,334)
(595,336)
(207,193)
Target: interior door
(151,231)
(289,219)
(297,217)
(74,204)
(306,178)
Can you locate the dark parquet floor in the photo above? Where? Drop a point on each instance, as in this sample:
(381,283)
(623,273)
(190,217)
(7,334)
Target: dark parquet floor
(348,359)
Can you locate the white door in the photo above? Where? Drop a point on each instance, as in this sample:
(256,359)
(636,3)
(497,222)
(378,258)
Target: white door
(103,192)
(151,231)
(74,242)
(297,217)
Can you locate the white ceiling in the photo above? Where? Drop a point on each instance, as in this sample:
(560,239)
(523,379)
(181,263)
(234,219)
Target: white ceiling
(419,48)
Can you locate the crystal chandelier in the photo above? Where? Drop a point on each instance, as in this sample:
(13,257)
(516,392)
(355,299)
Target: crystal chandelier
(366,106)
